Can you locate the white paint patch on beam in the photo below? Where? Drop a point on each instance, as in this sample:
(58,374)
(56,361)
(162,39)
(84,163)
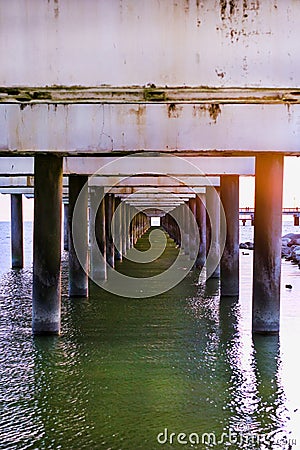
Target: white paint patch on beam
(189,128)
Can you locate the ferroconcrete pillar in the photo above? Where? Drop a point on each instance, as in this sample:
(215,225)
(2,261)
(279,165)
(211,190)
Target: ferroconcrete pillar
(16,231)
(66,226)
(118,230)
(193,250)
(213,220)
(267,244)
(97,234)
(128,228)
(186,230)
(109,212)
(229,194)
(46,295)
(124,228)
(201,222)
(78,274)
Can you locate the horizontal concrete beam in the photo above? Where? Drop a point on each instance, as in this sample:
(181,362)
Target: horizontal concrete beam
(124,182)
(118,191)
(138,196)
(135,166)
(144,94)
(208,129)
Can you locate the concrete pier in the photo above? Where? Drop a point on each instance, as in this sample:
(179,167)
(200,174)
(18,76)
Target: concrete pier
(66,226)
(97,234)
(186,230)
(267,244)
(78,275)
(229,194)
(118,230)
(128,228)
(213,245)
(46,296)
(16,222)
(201,222)
(193,250)
(109,212)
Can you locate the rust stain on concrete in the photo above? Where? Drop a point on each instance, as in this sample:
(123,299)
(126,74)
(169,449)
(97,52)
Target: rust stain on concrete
(174,111)
(140,114)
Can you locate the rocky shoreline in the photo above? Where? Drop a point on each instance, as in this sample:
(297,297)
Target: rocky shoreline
(290,247)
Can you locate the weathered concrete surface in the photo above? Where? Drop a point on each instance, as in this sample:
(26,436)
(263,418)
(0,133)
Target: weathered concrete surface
(109,232)
(213,231)
(201,221)
(97,234)
(103,42)
(78,274)
(47,245)
(267,244)
(229,194)
(16,231)
(86,129)
(66,226)
(167,169)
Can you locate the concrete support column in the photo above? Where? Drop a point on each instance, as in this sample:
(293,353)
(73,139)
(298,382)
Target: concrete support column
(16,223)
(267,244)
(229,193)
(128,228)
(78,275)
(193,251)
(97,234)
(118,230)
(46,295)
(201,222)
(186,239)
(213,212)
(66,226)
(123,207)
(109,212)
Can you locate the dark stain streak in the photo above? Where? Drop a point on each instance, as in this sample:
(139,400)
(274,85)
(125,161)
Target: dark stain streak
(214,111)
(56,9)
(232,7)
(174,111)
(223,5)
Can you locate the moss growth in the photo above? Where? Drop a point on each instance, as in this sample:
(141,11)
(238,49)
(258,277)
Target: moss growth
(9,91)
(154,95)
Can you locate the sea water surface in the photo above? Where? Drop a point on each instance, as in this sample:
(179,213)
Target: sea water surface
(179,370)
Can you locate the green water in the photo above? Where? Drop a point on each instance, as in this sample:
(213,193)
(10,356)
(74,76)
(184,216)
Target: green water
(126,370)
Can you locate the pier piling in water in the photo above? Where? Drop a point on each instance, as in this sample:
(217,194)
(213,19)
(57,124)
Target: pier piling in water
(109,212)
(267,244)
(16,231)
(78,274)
(213,231)
(201,222)
(48,171)
(229,193)
(97,234)
(66,226)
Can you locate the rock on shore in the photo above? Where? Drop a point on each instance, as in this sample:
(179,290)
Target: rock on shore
(290,248)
